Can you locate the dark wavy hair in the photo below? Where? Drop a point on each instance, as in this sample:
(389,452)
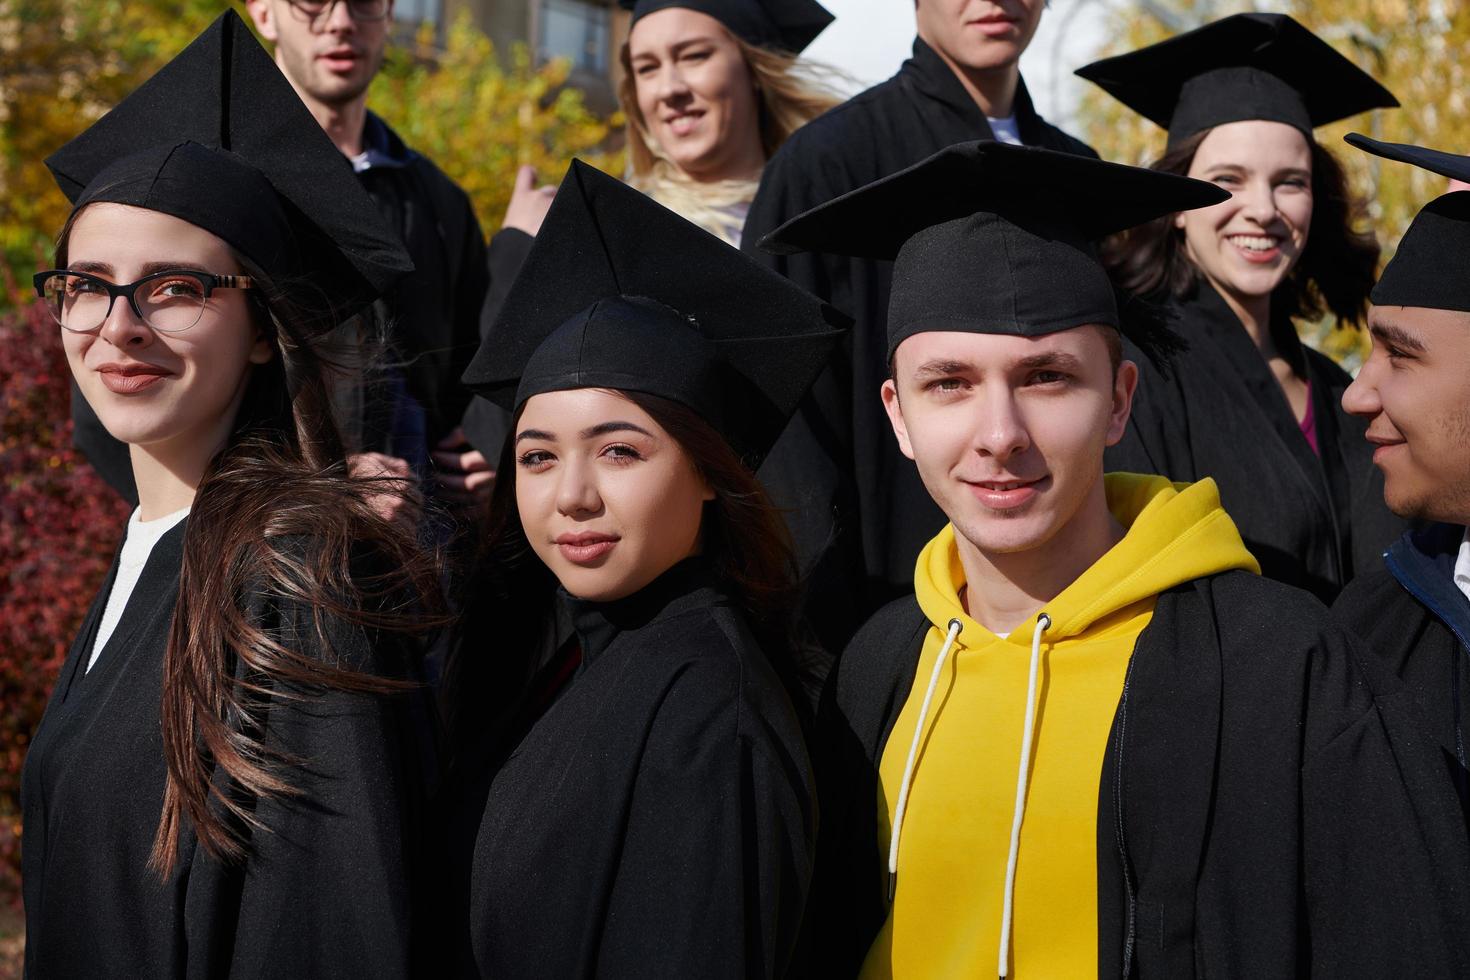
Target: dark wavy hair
(1335,272)
(743,537)
(276,516)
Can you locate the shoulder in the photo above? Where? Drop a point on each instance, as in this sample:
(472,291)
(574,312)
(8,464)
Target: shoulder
(1249,605)
(1369,602)
(842,133)
(879,662)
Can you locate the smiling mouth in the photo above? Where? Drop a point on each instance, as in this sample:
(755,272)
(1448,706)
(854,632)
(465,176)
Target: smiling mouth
(130,380)
(1255,243)
(1006,494)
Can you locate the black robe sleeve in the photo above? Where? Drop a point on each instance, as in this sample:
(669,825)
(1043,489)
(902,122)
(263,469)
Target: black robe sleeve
(329,886)
(717,844)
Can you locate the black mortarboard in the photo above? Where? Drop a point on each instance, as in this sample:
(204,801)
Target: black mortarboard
(1431,266)
(1247,66)
(785,25)
(220,139)
(620,292)
(989,237)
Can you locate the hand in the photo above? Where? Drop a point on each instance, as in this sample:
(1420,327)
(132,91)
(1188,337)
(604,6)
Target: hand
(464,474)
(528,203)
(393,502)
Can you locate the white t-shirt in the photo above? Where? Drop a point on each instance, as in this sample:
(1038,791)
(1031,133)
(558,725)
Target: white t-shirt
(1462,565)
(137,546)
(1005,129)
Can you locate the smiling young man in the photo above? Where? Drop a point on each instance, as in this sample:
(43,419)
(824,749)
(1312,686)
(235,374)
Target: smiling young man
(1095,741)
(856,508)
(1414,611)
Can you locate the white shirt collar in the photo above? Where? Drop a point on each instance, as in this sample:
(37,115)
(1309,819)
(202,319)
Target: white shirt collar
(1462,565)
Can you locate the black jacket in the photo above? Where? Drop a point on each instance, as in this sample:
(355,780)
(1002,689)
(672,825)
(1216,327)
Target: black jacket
(1413,616)
(854,503)
(1311,520)
(329,891)
(658,820)
(431,316)
(1251,817)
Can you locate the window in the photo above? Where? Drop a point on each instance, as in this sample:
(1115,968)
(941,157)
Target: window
(578,30)
(418,11)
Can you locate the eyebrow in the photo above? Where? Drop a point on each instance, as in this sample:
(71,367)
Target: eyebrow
(106,269)
(601,429)
(1399,337)
(1051,359)
(942,368)
(675,48)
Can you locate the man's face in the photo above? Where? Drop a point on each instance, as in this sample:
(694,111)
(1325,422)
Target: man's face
(1008,432)
(1414,391)
(981,35)
(330,58)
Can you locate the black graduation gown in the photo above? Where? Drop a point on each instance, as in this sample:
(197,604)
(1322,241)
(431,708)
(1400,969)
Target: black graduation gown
(1251,818)
(327,893)
(431,317)
(1311,521)
(1411,614)
(852,500)
(658,820)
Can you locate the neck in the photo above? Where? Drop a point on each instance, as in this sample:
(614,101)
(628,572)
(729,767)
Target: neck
(168,473)
(1003,590)
(746,165)
(993,89)
(1254,314)
(343,123)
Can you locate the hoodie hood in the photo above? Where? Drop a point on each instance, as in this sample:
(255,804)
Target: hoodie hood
(1176,532)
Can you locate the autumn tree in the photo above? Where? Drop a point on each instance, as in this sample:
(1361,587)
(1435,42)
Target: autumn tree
(1414,47)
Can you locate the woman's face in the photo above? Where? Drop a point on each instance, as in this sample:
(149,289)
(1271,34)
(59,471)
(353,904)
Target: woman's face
(1247,245)
(696,94)
(608,499)
(170,393)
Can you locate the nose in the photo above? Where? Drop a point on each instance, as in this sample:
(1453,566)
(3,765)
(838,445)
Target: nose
(123,328)
(338,18)
(670,85)
(576,491)
(1257,202)
(1002,431)
(1362,397)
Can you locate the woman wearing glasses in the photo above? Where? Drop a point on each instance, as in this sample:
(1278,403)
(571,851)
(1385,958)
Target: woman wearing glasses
(227,779)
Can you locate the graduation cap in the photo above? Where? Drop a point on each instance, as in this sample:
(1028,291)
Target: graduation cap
(620,292)
(989,237)
(1429,268)
(1247,66)
(785,25)
(220,139)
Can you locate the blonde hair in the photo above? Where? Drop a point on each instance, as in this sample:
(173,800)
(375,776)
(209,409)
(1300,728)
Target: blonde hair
(790,93)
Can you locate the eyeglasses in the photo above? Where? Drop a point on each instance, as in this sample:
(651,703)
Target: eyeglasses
(359,9)
(169,301)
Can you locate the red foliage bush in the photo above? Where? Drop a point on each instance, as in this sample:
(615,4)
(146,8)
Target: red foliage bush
(59,527)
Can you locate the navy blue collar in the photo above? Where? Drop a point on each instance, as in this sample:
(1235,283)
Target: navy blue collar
(381,147)
(1423,562)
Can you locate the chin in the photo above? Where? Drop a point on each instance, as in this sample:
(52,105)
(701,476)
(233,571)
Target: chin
(1005,535)
(990,54)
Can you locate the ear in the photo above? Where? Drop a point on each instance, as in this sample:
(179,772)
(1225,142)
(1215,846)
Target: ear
(1179,220)
(262,350)
(894,408)
(1125,386)
(264,17)
(709,491)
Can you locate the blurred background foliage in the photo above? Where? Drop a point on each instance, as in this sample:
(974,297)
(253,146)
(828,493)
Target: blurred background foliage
(1417,48)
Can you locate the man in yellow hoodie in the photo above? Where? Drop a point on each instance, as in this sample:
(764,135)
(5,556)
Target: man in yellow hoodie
(1095,741)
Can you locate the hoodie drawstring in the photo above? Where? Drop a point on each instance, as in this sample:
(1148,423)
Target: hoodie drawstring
(1028,732)
(908,768)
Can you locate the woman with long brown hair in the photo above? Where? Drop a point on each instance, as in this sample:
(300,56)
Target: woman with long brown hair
(1249,404)
(228,779)
(710,89)
(644,807)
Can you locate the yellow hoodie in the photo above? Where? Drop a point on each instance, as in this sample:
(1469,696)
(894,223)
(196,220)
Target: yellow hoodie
(956,832)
